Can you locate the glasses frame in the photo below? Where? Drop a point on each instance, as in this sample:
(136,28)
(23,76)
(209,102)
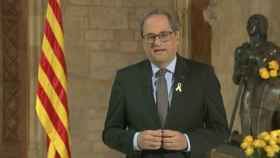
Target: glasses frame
(163,37)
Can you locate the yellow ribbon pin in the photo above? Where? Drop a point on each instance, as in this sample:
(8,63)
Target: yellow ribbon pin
(179,87)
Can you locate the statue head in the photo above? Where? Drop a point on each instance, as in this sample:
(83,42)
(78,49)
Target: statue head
(257,27)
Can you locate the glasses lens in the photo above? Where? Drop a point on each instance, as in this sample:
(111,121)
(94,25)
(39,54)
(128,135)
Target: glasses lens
(163,36)
(150,38)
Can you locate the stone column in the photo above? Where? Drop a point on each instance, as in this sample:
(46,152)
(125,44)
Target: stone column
(1,77)
(182,9)
(37,137)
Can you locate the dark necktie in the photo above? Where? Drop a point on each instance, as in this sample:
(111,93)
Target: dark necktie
(162,96)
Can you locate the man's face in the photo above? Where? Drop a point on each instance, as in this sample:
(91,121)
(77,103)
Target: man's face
(162,50)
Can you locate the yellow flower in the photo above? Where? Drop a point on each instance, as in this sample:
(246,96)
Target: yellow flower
(270,151)
(267,138)
(273,73)
(245,145)
(249,151)
(263,135)
(275,134)
(273,64)
(278,140)
(275,148)
(272,141)
(268,148)
(263,72)
(266,144)
(276,131)
(248,139)
(270,154)
(258,143)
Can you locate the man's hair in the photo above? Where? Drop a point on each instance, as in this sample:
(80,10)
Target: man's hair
(172,19)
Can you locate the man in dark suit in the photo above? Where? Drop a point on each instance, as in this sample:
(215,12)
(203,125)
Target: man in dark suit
(166,106)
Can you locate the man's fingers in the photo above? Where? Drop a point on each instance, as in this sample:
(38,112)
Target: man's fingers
(169,133)
(174,140)
(150,139)
(154,145)
(155,133)
(170,146)
(168,139)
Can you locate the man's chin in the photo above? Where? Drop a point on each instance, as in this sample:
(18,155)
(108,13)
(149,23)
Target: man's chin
(160,61)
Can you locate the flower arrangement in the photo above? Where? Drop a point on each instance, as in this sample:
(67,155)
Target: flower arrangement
(269,70)
(265,145)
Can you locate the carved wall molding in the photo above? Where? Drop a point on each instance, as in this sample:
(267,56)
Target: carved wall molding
(210,14)
(182,10)
(10,25)
(14,78)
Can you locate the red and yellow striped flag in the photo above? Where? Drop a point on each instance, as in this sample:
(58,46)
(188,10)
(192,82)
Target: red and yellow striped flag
(51,97)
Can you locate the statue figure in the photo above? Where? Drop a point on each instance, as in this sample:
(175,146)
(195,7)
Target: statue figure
(259,84)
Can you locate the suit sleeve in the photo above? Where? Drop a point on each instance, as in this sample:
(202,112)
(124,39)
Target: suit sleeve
(215,130)
(115,133)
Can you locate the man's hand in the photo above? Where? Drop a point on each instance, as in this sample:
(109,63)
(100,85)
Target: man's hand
(174,140)
(150,139)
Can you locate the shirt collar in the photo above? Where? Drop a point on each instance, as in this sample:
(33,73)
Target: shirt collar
(170,67)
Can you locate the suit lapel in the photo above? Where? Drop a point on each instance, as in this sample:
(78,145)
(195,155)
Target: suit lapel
(181,77)
(147,93)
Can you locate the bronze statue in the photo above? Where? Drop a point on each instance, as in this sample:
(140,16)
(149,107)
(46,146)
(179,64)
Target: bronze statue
(259,91)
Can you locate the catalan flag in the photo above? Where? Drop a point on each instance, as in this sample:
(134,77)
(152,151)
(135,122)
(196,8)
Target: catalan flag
(51,96)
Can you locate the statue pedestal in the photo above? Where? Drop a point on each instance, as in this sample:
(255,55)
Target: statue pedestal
(227,151)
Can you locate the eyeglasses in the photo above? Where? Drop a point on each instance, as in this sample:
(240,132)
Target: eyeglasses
(163,37)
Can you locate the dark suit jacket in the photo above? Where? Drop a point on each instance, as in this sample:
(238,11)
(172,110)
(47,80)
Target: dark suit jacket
(197,110)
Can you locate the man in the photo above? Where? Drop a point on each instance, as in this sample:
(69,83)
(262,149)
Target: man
(176,113)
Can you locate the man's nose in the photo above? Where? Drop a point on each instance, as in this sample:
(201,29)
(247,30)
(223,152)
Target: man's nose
(157,41)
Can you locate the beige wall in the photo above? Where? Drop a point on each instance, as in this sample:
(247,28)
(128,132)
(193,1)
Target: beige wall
(102,36)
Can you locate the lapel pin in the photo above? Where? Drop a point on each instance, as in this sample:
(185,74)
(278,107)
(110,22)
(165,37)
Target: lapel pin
(179,87)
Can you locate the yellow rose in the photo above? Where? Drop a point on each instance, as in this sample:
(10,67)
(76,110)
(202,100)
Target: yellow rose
(258,143)
(268,149)
(275,134)
(273,64)
(276,131)
(278,140)
(263,72)
(248,139)
(267,138)
(272,141)
(263,135)
(273,73)
(270,154)
(244,145)
(249,151)
(275,148)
